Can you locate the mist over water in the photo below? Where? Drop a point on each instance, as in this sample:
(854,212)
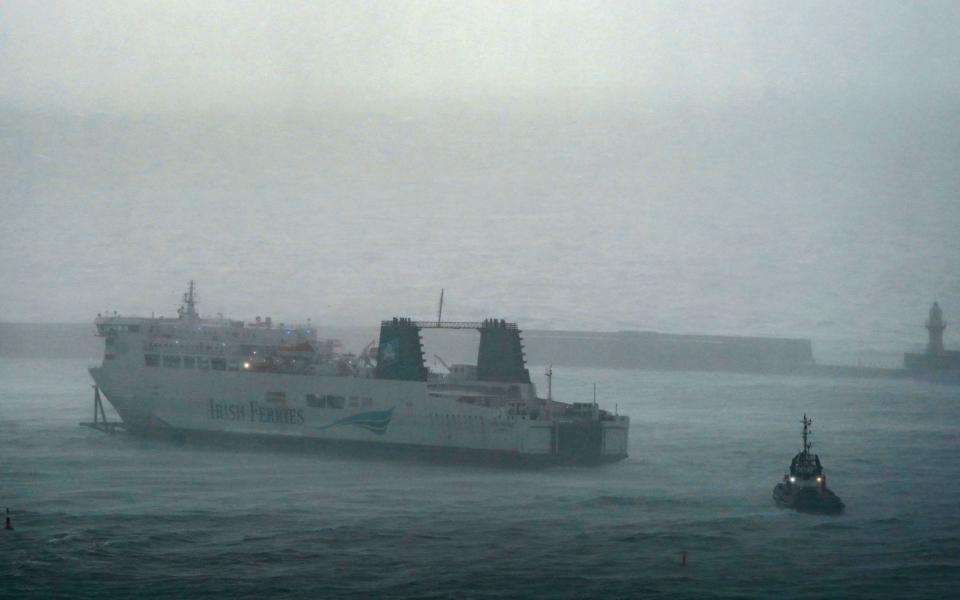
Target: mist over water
(710,223)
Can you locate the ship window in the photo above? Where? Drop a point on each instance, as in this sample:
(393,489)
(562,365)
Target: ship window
(314,402)
(133,328)
(334,401)
(171,361)
(151,360)
(188,362)
(218,364)
(203,363)
(233,366)
(354,401)
(367,402)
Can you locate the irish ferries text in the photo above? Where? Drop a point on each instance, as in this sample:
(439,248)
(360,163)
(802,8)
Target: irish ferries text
(254,412)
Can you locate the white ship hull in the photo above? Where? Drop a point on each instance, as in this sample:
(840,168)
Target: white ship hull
(194,377)
(392,415)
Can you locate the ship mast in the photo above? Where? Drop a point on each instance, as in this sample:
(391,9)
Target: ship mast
(440,309)
(549,374)
(806,431)
(190,300)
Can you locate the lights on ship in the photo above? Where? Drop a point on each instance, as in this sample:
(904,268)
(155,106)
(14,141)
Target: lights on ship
(819,479)
(246,365)
(793,479)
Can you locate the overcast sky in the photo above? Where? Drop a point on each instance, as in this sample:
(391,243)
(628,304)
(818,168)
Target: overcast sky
(735,167)
(127,55)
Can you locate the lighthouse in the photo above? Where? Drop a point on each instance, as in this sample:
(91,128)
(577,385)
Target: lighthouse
(935,327)
(937,362)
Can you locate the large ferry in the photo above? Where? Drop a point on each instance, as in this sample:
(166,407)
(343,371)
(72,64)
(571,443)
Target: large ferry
(214,377)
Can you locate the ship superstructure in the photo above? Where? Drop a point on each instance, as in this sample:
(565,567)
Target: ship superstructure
(196,376)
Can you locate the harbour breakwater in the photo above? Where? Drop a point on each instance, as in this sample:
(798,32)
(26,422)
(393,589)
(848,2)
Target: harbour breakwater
(645,350)
(655,351)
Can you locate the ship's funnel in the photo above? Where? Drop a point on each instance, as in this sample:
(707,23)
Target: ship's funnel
(500,356)
(400,354)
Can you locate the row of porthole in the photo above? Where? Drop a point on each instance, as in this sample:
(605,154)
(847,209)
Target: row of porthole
(184,348)
(189,362)
(216,336)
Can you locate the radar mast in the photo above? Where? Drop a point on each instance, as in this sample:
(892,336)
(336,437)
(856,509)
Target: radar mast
(190,301)
(806,431)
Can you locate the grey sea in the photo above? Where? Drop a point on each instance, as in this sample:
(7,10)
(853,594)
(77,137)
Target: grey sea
(113,516)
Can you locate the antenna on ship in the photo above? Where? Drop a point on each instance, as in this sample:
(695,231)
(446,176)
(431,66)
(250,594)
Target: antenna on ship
(549,375)
(806,431)
(190,300)
(440,310)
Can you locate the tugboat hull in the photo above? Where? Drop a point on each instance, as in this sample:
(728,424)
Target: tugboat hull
(807,499)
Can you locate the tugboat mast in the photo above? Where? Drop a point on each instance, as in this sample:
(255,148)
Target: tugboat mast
(806,430)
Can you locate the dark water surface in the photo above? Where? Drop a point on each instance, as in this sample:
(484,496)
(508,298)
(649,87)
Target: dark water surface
(115,516)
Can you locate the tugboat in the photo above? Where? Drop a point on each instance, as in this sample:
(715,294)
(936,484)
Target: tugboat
(804,488)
